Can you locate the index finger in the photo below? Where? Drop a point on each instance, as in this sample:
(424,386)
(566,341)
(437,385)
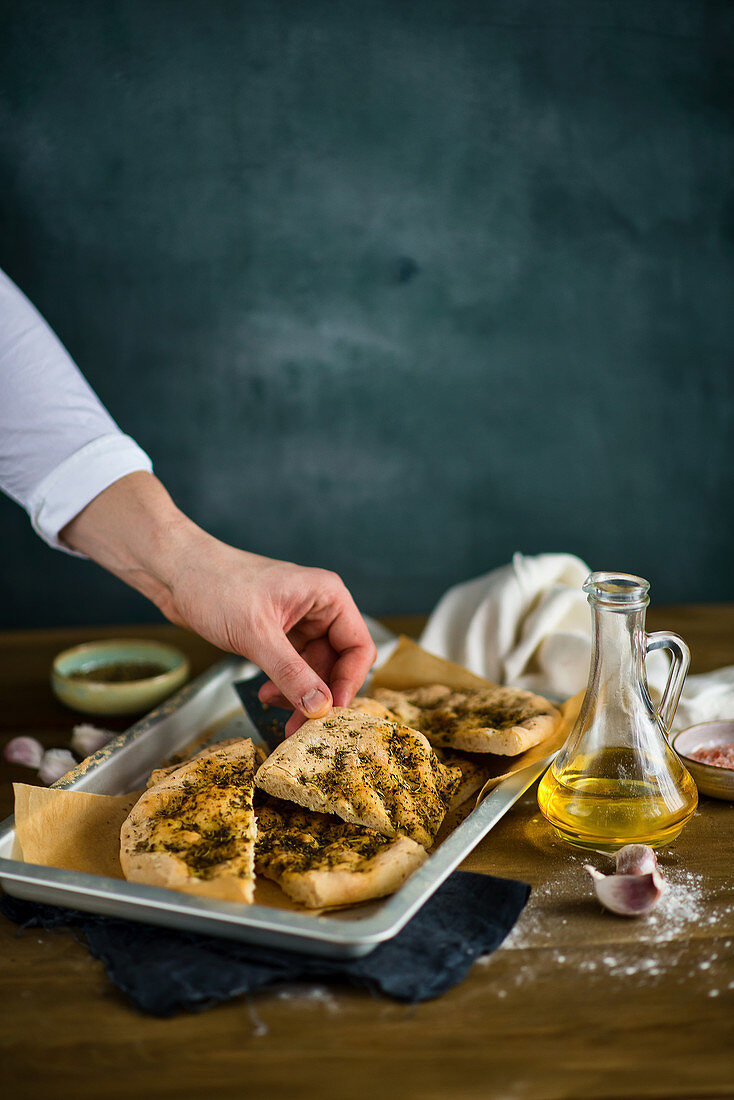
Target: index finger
(350,638)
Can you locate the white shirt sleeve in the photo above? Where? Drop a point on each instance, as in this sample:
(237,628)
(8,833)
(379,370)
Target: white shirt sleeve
(59,447)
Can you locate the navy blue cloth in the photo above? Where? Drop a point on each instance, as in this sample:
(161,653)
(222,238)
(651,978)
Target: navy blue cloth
(164,971)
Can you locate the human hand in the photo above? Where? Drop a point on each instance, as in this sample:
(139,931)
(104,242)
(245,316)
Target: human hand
(300,625)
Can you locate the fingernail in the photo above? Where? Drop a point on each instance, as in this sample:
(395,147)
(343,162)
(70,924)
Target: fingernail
(315,703)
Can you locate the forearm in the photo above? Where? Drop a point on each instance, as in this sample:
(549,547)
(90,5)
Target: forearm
(134,530)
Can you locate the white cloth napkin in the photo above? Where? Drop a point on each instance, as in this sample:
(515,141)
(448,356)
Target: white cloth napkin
(528,624)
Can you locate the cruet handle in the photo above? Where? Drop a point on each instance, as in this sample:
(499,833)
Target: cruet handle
(681,654)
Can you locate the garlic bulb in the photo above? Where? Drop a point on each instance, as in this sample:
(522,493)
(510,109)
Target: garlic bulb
(86,739)
(26,751)
(55,763)
(637,885)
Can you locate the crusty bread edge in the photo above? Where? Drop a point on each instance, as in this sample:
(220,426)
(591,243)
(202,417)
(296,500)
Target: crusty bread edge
(508,742)
(276,780)
(162,869)
(388,870)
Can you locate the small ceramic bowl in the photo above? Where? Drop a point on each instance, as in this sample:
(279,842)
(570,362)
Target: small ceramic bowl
(117,677)
(714,781)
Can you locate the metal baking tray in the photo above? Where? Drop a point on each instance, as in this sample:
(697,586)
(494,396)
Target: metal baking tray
(125,764)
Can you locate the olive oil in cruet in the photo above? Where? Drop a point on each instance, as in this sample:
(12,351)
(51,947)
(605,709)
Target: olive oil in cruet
(616,780)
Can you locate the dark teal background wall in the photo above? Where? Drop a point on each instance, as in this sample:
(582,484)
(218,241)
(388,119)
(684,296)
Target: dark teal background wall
(392,287)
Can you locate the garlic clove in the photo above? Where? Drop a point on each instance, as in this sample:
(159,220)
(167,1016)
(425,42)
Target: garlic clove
(636,859)
(55,763)
(86,739)
(26,751)
(628,895)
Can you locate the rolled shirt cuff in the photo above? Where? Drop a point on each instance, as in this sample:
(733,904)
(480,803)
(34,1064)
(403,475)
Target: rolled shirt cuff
(79,479)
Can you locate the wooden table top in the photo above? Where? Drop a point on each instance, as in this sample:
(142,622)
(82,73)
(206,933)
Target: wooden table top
(576,1003)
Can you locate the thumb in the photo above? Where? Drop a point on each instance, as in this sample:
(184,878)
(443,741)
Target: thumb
(294,677)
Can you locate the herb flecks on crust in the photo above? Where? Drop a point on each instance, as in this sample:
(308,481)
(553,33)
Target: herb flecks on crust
(293,840)
(319,861)
(494,719)
(368,771)
(207,821)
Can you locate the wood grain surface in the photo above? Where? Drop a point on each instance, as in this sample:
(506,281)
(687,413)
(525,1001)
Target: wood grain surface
(577,1003)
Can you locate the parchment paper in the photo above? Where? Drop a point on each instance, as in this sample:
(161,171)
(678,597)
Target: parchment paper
(77,831)
(72,830)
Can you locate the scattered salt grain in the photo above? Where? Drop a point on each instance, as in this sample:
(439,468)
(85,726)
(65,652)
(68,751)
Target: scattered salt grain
(315,994)
(259,1028)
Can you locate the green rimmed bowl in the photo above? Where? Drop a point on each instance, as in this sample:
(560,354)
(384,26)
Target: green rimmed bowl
(87,677)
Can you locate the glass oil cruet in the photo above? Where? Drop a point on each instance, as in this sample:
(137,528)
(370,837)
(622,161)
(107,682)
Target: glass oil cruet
(616,780)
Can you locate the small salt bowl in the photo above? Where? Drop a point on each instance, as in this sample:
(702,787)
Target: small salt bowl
(710,779)
(120,676)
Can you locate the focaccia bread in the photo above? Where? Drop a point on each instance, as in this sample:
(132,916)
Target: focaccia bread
(366,705)
(474,773)
(365,770)
(500,720)
(159,774)
(194,830)
(322,861)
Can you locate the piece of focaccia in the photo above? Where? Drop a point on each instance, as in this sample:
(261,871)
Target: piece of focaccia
(474,774)
(501,720)
(321,861)
(364,769)
(195,829)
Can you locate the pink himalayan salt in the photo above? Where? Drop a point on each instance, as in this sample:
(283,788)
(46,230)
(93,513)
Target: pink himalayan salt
(721,756)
